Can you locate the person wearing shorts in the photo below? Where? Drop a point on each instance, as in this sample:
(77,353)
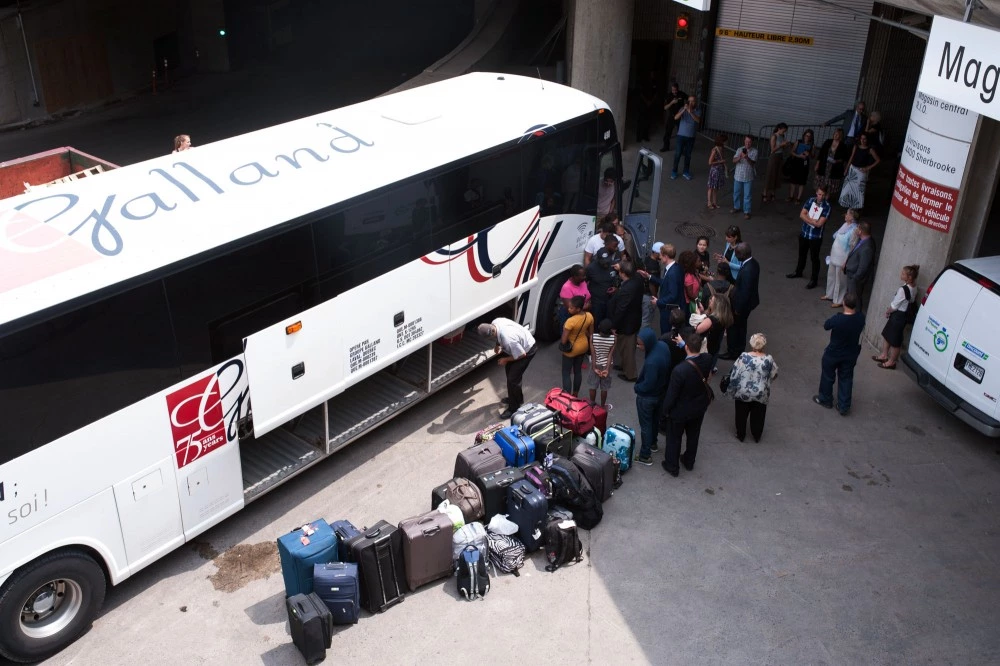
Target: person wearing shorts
(602,346)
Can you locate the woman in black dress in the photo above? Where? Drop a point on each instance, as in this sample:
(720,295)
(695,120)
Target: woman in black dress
(796,167)
(892,333)
(831,163)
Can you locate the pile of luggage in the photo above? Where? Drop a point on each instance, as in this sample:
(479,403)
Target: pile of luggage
(518,489)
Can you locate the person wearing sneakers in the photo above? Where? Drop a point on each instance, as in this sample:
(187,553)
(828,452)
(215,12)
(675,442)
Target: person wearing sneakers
(685,405)
(649,391)
(687,126)
(744,171)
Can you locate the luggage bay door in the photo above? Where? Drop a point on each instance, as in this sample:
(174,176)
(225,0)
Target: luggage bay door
(640,218)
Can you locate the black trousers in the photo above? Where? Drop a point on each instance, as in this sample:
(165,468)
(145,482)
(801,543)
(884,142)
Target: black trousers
(736,335)
(676,430)
(515,373)
(756,413)
(810,246)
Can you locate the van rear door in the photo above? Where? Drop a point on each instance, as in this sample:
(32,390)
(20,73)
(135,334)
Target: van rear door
(974,374)
(939,321)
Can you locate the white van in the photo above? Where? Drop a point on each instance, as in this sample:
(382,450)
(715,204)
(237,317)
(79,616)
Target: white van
(955,340)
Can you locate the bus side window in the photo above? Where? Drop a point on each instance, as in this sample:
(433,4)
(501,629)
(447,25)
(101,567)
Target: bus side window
(74,369)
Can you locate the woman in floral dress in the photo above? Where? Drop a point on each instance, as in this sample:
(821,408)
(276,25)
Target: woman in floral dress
(750,385)
(716,171)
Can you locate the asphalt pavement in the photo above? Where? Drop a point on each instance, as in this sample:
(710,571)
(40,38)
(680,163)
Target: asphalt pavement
(871,538)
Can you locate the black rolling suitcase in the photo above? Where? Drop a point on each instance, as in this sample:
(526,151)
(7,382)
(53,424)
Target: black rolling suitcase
(527,506)
(311,625)
(379,554)
(493,487)
(598,467)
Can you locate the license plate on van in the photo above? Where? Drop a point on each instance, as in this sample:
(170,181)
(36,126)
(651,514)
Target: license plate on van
(972,370)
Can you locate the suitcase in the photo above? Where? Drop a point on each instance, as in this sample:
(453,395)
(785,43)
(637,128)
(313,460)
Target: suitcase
(486,434)
(532,417)
(539,478)
(478,460)
(311,626)
(426,548)
(299,550)
(527,507)
(462,493)
(379,554)
(517,449)
(345,531)
(620,440)
(493,487)
(336,583)
(598,467)
(575,413)
(553,438)
(600,417)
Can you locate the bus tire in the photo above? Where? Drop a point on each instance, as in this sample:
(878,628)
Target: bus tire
(48,604)
(547,327)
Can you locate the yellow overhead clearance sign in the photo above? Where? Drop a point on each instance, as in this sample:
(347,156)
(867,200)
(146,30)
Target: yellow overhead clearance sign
(764,36)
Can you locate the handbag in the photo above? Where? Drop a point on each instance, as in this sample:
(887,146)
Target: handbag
(708,389)
(724,384)
(566,347)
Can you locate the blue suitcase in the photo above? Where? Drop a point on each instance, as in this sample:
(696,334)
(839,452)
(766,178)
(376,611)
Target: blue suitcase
(299,550)
(345,531)
(619,441)
(527,507)
(517,449)
(336,583)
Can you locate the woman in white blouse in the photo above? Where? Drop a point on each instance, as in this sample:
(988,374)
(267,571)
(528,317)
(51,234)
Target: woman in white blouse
(844,240)
(892,333)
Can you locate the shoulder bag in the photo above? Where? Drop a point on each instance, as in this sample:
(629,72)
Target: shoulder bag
(704,382)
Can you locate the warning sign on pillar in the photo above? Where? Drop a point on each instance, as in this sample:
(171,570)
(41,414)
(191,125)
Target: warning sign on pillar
(924,202)
(935,153)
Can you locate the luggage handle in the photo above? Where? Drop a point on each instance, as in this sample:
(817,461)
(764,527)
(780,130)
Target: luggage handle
(373,534)
(432,530)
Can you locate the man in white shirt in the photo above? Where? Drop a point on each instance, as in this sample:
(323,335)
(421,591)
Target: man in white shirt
(516,347)
(596,243)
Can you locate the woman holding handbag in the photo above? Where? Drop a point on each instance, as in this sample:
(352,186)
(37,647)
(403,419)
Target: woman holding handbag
(749,383)
(574,345)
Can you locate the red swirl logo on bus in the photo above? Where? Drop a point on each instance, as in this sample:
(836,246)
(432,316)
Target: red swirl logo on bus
(196,419)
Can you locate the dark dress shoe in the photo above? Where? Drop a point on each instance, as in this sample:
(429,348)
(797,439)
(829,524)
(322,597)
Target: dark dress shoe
(811,285)
(671,472)
(688,466)
(828,405)
(793,275)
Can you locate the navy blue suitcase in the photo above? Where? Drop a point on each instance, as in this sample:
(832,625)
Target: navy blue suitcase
(345,531)
(518,449)
(299,550)
(336,583)
(527,507)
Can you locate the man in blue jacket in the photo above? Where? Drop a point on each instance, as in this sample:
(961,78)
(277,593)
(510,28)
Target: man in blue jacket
(649,391)
(670,286)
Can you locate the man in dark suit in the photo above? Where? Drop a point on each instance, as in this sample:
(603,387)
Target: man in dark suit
(670,287)
(860,263)
(625,313)
(854,123)
(745,299)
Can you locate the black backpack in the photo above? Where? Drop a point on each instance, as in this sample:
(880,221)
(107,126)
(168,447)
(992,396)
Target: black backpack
(571,490)
(473,578)
(910,317)
(562,544)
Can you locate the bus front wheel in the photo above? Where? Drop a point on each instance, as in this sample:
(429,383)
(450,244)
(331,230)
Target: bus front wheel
(47,604)
(547,328)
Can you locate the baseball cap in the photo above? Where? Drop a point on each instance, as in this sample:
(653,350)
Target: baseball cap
(657,246)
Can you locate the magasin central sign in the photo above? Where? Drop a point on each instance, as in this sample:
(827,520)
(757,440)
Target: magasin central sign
(962,66)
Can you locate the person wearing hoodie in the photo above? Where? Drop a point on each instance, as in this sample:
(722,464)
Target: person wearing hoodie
(685,405)
(649,390)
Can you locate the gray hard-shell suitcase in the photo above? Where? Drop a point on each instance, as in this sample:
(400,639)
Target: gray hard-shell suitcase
(426,548)
(531,417)
(478,460)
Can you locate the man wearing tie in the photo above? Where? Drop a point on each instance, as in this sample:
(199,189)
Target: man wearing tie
(746,298)
(855,120)
(670,286)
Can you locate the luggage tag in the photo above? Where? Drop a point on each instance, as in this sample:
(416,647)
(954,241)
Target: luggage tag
(307,531)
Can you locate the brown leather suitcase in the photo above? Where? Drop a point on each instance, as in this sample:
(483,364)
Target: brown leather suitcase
(478,460)
(427,548)
(462,493)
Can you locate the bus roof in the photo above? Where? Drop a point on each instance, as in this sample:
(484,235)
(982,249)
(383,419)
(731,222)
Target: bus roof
(69,240)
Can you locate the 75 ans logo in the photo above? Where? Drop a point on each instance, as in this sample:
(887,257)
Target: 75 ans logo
(204,414)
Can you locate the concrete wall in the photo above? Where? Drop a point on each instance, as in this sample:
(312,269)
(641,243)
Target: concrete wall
(599,46)
(16,95)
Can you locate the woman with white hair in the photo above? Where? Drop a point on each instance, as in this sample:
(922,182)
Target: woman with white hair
(750,385)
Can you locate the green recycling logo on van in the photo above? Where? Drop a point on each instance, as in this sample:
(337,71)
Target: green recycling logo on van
(941,339)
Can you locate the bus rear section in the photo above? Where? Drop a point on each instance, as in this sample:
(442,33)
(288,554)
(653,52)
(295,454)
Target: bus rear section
(953,343)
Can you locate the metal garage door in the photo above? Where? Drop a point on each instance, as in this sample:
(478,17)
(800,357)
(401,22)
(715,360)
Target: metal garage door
(766,82)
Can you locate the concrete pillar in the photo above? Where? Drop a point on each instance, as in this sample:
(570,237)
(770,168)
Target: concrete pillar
(909,242)
(599,42)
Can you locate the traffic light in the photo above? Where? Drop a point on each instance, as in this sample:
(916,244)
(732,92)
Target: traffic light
(681,31)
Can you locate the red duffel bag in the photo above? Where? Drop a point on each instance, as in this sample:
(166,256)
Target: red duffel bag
(575,414)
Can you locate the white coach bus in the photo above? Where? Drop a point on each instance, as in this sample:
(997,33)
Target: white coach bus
(179,336)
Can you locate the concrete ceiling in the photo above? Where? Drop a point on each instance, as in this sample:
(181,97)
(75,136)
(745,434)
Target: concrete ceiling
(986,12)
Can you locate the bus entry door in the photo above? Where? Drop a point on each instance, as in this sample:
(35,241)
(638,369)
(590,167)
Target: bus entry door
(640,219)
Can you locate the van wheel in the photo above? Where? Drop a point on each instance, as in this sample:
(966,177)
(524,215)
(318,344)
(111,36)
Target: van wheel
(547,327)
(47,604)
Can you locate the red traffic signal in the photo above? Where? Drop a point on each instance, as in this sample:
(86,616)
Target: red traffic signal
(681,31)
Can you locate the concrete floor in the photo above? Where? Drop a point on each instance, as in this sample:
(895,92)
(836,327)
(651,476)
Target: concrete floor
(866,539)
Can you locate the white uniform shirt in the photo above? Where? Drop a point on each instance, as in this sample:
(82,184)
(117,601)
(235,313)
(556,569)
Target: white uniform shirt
(596,244)
(514,339)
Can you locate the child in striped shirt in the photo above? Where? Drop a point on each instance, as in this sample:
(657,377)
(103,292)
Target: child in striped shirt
(602,345)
